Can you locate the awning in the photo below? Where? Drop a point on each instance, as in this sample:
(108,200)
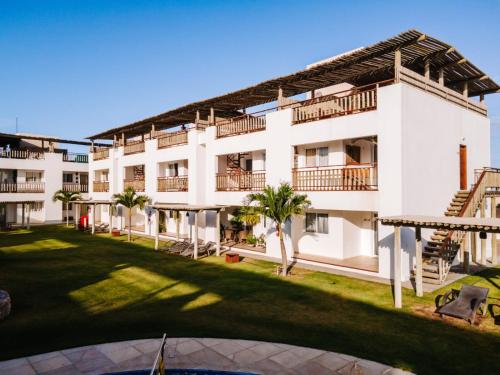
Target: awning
(467,224)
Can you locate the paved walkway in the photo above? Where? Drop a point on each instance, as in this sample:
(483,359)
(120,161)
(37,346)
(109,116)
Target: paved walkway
(219,354)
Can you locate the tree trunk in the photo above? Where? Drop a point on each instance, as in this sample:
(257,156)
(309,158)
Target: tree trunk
(129,224)
(67,214)
(284,262)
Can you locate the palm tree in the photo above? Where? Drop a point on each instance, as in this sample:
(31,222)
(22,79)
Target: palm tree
(250,215)
(130,199)
(279,205)
(66,197)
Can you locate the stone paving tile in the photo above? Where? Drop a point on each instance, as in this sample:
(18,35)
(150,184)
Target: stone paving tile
(11,363)
(24,369)
(211,358)
(226,348)
(267,366)
(266,349)
(374,367)
(312,368)
(188,346)
(66,370)
(333,361)
(53,362)
(247,357)
(147,346)
(209,342)
(123,354)
(42,357)
(365,369)
(296,356)
(89,360)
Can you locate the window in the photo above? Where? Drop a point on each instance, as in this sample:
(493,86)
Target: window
(173,170)
(68,177)
(33,176)
(317,157)
(248,165)
(316,222)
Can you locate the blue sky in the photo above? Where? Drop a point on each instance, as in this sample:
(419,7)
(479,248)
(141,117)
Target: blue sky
(75,68)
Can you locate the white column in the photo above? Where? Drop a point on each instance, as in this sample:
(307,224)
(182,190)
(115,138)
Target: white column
(157,232)
(494,255)
(418,252)
(93,218)
(28,217)
(195,254)
(483,240)
(23,208)
(77,215)
(466,252)
(110,211)
(217,234)
(397,267)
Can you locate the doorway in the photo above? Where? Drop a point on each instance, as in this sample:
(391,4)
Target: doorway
(463,167)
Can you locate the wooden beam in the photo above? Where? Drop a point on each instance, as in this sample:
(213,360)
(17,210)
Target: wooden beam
(397,65)
(427,69)
(441,77)
(483,240)
(465,91)
(494,247)
(397,267)
(418,256)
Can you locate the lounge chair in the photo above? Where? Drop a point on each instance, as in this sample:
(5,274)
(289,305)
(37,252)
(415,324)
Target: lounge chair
(206,248)
(463,303)
(178,247)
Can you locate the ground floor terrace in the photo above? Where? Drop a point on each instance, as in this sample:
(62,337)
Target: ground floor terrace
(71,289)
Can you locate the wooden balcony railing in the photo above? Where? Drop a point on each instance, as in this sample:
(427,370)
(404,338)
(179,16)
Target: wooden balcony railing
(241,125)
(137,185)
(177,183)
(100,186)
(338,104)
(133,148)
(241,181)
(76,158)
(335,178)
(100,154)
(77,188)
(26,187)
(173,139)
(21,154)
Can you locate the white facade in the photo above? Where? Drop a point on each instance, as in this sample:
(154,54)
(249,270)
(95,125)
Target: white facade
(407,148)
(33,175)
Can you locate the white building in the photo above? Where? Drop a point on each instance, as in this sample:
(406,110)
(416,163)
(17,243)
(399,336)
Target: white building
(390,129)
(32,169)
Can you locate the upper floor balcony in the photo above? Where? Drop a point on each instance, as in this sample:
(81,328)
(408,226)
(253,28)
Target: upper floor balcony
(22,187)
(244,124)
(100,186)
(335,178)
(135,178)
(75,187)
(241,181)
(172,176)
(133,147)
(173,183)
(21,154)
(100,153)
(171,139)
(75,158)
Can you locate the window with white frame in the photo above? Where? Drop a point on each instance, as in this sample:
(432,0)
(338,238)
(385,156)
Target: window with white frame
(316,222)
(32,176)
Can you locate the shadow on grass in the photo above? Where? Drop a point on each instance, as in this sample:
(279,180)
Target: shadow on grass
(103,290)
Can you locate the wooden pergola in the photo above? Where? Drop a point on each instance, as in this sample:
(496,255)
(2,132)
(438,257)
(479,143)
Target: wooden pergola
(188,208)
(93,203)
(411,49)
(464,224)
(25,214)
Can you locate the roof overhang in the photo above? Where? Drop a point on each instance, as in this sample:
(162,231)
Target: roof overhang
(468,224)
(186,207)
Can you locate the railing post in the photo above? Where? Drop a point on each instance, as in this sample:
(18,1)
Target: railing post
(397,66)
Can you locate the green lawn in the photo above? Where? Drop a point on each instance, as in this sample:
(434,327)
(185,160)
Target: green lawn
(70,289)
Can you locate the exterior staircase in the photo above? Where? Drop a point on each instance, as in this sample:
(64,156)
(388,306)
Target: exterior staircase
(436,262)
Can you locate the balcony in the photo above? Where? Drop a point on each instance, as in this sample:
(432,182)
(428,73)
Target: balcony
(100,154)
(26,187)
(344,103)
(335,178)
(21,154)
(137,185)
(76,188)
(172,139)
(133,148)
(100,186)
(75,158)
(241,125)
(177,183)
(241,181)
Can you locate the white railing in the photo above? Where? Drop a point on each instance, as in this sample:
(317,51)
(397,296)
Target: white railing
(335,178)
